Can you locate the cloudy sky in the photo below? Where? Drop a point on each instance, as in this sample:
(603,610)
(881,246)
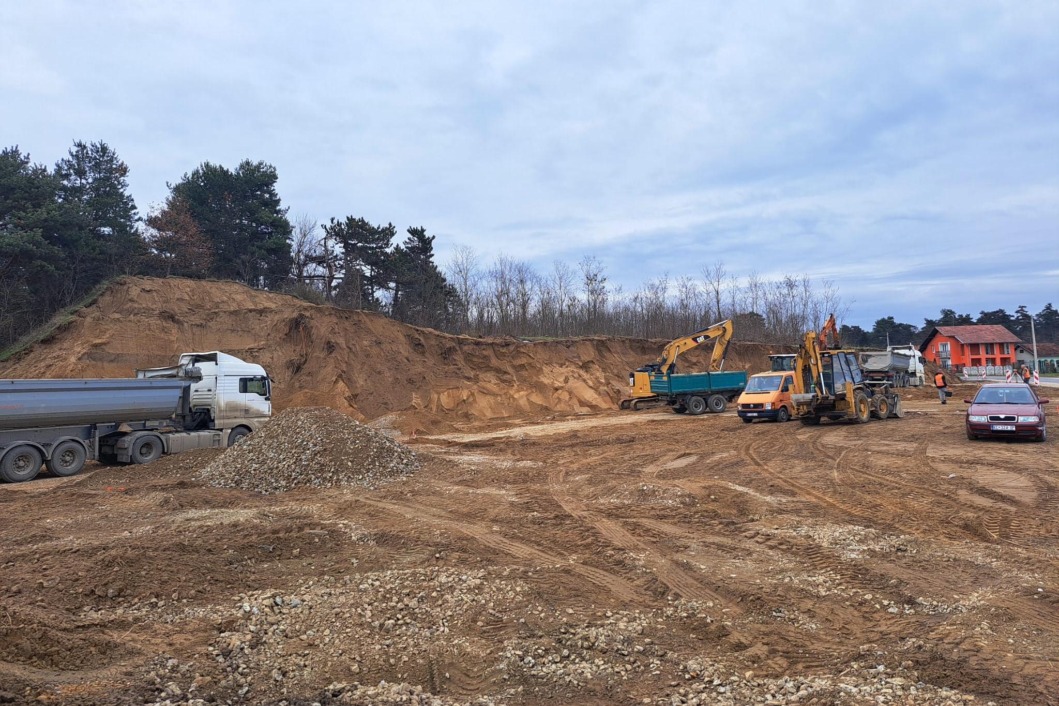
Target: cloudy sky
(908,152)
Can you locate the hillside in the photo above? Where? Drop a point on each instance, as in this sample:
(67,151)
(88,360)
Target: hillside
(356,362)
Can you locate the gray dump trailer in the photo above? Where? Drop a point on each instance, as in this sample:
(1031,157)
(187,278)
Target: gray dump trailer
(890,367)
(208,400)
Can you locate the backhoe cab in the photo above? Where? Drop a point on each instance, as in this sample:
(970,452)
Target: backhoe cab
(640,379)
(829,383)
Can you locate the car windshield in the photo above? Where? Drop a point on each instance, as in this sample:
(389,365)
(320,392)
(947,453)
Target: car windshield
(768,383)
(1005,395)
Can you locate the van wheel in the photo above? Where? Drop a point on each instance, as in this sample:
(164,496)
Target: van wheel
(782,415)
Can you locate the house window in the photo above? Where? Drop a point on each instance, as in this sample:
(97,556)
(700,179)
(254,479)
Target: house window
(990,361)
(989,349)
(1006,348)
(975,349)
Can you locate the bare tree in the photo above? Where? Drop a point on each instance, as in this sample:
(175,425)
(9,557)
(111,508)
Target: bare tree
(714,277)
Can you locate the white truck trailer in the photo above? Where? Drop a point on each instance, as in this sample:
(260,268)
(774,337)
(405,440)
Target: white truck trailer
(207,400)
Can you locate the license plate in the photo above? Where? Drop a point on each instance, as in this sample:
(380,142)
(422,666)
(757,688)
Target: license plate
(750,414)
(1003,427)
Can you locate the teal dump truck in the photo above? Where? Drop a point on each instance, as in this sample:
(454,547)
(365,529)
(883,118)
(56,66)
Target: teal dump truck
(696,393)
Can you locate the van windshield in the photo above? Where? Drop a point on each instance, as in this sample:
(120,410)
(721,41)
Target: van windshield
(766,383)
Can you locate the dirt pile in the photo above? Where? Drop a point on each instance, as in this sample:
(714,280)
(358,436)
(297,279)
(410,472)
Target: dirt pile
(310,447)
(359,363)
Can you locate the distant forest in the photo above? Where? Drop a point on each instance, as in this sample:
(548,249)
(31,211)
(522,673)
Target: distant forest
(67,230)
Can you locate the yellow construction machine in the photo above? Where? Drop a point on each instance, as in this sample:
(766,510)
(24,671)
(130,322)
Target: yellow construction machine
(640,379)
(829,383)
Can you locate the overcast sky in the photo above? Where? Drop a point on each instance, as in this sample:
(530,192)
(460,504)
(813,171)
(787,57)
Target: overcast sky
(908,152)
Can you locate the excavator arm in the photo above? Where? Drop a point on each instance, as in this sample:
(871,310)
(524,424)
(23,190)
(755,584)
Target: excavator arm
(720,332)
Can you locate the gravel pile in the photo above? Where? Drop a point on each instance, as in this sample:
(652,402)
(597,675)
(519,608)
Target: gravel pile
(310,447)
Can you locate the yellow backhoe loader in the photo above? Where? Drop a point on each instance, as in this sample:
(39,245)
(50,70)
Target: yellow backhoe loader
(641,395)
(829,383)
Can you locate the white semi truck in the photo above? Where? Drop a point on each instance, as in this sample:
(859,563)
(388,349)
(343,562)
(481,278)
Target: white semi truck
(207,400)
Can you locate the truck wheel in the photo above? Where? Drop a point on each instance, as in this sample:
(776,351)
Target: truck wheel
(717,403)
(861,407)
(240,433)
(695,405)
(782,415)
(67,458)
(20,464)
(146,449)
(680,409)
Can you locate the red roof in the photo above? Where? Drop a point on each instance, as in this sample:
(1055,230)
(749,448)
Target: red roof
(1044,350)
(979,333)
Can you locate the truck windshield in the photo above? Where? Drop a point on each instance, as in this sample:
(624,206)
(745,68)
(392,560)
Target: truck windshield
(765,383)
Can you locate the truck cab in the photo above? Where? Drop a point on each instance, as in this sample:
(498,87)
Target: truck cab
(767,396)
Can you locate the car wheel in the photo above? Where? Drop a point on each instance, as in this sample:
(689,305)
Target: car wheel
(1043,435)
(971,436)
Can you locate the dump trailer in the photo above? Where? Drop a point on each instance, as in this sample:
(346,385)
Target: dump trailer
(889,366)
(695,393)
(208,400)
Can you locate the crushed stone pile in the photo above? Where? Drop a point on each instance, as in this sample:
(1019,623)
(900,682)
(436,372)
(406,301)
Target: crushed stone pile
(310,447)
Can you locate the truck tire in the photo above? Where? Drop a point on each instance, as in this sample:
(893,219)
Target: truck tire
(861,407)
(717,403)
(21,463)
(67,458)
(695,404)
(240,433)
(782,415)
(145,449)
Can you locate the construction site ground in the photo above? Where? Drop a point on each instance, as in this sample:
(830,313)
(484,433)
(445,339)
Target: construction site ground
(612,557)
(437,519)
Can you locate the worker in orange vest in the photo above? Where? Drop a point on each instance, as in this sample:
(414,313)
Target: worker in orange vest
(942,385)
(1026,374)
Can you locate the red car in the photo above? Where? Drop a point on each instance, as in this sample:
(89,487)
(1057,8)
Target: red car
(1006,411)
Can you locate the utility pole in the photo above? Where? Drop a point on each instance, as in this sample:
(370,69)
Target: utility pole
(1033,337)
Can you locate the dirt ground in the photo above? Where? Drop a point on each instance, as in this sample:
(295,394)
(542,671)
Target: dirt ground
(538,546)
(605,558)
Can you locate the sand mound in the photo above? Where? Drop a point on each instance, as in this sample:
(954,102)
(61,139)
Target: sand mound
(310,447)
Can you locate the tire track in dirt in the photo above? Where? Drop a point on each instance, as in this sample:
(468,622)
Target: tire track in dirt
(609,582)
(678,580)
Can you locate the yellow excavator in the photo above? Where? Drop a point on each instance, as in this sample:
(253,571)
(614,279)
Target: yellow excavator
(829,383)
(640,379)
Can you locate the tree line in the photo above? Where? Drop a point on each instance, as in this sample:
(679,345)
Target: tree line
(67,229)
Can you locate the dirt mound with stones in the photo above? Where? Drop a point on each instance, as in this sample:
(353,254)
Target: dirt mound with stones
(310,447)
(359,363)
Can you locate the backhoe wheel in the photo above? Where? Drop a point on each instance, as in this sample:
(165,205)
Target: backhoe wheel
(861,407)
(20,464)
(695,405)
(67,458)
(717,403)
(782,415)
(810,421)
(882,408)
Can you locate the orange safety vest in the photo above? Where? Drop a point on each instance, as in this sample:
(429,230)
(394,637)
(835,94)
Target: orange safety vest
(939,380)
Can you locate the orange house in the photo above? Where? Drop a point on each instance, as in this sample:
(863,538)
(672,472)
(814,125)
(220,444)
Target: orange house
(958,347)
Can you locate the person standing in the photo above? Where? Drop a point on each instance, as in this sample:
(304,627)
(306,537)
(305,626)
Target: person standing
(1026,374)
(942,385)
